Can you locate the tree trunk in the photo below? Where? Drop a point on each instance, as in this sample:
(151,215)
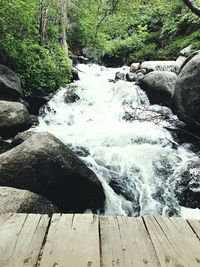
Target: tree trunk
(191,5)
(44,10)
(63,9)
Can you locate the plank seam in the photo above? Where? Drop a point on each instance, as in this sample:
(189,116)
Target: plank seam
(198,237)
(146,227)
(100,241)
(43,243)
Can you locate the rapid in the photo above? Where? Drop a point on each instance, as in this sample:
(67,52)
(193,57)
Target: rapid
(113,128)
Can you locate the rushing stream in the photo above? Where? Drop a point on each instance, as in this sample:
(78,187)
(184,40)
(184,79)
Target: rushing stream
(114,130)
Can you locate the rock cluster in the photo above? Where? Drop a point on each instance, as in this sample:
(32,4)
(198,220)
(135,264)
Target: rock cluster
(38,173)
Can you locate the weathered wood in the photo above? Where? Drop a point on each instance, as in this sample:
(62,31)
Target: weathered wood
(21,238)
(195,226)
(174,241)
(125,242)
(72,241)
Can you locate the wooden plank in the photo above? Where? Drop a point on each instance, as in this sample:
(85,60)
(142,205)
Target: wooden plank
(72,241)
(21,238)
(195,226)
(175,242)
(125,242)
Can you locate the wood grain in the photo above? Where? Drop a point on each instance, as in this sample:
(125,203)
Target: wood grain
(21,238)
(125,242)
(72,241)
(174,241)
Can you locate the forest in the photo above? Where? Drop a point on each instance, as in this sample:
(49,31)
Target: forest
(38,37)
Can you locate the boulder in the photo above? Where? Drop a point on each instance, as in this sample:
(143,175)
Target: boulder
(45,166)
(131,77)
(22,201)
(9,82)
(14,118)
(187,92)
(172,66)
(75,75)
(134,67)
(35,102)
(71,96)
(159,86)
(120,76)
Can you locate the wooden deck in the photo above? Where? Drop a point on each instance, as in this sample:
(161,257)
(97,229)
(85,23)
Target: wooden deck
(93,241)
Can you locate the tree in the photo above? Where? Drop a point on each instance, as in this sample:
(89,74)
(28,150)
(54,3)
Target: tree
(192,6)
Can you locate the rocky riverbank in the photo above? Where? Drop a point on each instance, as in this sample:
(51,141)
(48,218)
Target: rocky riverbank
(38,173)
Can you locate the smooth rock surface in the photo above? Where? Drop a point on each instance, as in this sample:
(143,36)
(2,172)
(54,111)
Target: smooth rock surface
(14,200)
(159,86)
(9,82)
(14,118)
(187,92)
(44,165)
(172,66)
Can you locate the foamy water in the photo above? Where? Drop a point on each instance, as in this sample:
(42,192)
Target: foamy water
(137,161)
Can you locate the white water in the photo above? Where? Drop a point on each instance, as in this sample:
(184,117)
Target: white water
(138,162)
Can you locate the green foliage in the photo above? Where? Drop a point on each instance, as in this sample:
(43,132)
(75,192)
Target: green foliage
(42,68)
(135,30)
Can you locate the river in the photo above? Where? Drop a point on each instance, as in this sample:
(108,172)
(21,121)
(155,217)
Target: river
(114,130)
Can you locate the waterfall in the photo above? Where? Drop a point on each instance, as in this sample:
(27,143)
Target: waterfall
(114,130)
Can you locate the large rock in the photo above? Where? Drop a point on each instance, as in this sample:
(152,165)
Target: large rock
(134,67)
(36,102)
(71,95)
(14,118)
(172,66)
(9,82)
(44,165)
(159,86)
(22,201)
(187,92)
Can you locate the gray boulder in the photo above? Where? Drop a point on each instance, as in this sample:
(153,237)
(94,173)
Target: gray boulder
(21,137)
(172,66)
(159,86)
(44,165)
(70,95)
(187,92)
(9,82)
(14,118)
(134,67)
(22,201)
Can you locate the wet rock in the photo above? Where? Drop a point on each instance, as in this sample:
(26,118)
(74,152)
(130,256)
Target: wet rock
(34,120)
(188,187)
(36,102)
(131,77)
(71,96)
(134,67)
(22,201)
(172,66)
(120,76)
(44,165)
(75,75)
(187,92)
(159,86)
(9,82)
(14,118)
